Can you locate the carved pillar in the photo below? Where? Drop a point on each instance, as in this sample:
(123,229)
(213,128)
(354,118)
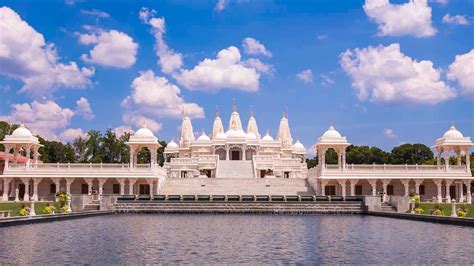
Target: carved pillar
(406,185)
(438,158)
(343,159)
(467,182)
(446,158)
(101,186)
(6,185)
(468,160)
(57,183)
(385,183)
(439,197)
(342,182)
(459,156)
(68,185)
(36,182)
(122,185)
(151,184)
(227,152)
(7,156)
(36,156)
(323,187)
(15,155)
(90,182)
(132,156)
(26,181)
(131,182)
(353,183)
(373,184)
(28,154)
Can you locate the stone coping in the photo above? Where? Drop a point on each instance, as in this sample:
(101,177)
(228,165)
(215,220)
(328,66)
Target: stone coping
(426,218)
(21,220)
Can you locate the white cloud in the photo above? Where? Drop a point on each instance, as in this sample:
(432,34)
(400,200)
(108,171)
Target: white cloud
(389,133)
(385,75)
(306,76)
(258,65)
(25,56)
(462,70)
(168,60)
(112,48)
(221,5)
(83,108)
(455,20)
(254,47)
(138,121)
(155,96)
(326,80)
(322,37)
(121,130)
(412,18)
(441,2)
(70,134)
(226,71)
(43,118)
(95,13)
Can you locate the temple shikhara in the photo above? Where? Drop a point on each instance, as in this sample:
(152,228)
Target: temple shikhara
(235,161)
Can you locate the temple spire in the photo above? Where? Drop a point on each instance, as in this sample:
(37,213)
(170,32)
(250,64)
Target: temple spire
(252,125)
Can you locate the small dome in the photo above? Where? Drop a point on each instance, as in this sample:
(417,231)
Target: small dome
(453,133)
(172,145)
(144,134)
(21,132)
(331,133)
(298,145)
(221,135)
(267,137)
(250,136)
(203,137)
(235,133)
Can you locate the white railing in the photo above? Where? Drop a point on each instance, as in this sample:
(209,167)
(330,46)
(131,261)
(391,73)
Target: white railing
(392,168)
(73,169)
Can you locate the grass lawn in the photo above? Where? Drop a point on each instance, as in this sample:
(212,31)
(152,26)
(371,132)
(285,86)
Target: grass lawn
(447,208)
(15,207)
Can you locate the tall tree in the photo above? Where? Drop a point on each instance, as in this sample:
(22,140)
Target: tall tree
(93,146)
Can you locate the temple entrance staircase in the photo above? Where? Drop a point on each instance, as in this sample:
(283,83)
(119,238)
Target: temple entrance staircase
(235,169)
(236,186)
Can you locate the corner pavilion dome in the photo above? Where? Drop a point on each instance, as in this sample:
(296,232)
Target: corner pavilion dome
(21,135)
(453,137)
(221,135)
(332,136)
(143,136)
(453,133)
(299,148)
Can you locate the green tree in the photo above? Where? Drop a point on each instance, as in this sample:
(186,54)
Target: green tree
(80,148)
(411,154)
(93,146)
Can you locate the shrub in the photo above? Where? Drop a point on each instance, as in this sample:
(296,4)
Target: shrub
(47,210)
(416,198)
(461,214)
(23,212)
(419,210)
(64,208)
(437,210)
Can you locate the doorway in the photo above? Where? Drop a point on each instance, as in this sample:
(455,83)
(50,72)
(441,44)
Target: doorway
(144,189)
(235,155)
(21,191)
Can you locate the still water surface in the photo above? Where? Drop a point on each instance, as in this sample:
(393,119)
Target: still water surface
(254,239)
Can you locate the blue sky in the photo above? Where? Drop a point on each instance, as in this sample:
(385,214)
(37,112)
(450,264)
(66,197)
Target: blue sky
(399,80)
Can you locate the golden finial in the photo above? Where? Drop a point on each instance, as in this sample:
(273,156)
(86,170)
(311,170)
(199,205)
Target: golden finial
(217,111)
(234,108)
(251,111)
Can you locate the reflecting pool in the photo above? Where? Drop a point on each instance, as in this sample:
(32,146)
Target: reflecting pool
(143,238)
